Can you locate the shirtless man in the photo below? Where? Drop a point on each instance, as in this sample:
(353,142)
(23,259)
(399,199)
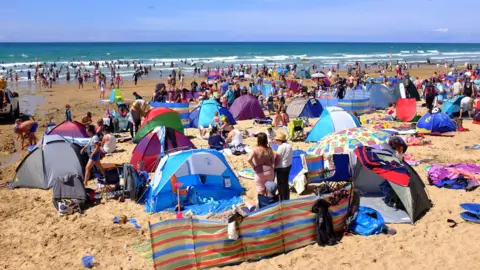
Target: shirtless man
(24,130)
(87,119)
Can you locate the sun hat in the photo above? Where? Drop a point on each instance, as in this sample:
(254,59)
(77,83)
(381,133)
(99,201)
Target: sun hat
(280,136)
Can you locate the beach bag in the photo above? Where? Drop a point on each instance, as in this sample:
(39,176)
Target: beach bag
(367,222)
(238,150)
(68,207)
(323,224)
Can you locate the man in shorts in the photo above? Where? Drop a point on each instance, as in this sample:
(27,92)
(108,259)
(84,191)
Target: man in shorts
(27,130)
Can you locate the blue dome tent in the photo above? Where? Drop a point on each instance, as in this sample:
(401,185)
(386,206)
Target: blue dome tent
(304,107)
(452,106)
(204,113)
(437,122)
(204,173)
(333,119)
(380,96)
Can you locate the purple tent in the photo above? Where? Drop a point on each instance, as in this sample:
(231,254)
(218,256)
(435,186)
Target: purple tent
(246,107)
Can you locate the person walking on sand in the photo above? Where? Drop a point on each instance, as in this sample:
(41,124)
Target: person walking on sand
(102,89)
(283,164)
(26,129)
(93,149)
(80,81)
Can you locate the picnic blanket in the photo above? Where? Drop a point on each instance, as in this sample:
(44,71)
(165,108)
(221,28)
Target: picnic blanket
(454,176)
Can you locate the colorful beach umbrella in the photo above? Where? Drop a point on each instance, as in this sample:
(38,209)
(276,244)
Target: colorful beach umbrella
(346,141)
(159,117)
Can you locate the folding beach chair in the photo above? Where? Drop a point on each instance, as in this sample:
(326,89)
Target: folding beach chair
(295,129)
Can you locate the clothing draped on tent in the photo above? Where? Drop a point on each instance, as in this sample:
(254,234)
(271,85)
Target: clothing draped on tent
(390,186)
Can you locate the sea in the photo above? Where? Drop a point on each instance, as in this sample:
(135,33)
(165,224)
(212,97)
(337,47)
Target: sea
(21,57)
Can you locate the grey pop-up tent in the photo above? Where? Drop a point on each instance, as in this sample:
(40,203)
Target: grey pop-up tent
(51,159)
(380,170)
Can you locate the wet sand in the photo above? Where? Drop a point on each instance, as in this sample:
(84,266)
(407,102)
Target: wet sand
(33,236)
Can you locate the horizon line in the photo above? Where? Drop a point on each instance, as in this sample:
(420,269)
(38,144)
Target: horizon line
(226,42)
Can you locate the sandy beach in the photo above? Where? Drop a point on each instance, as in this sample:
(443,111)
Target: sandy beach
(33,236)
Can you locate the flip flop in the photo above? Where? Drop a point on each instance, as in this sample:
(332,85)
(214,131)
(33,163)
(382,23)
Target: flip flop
(470,217)
(473,208)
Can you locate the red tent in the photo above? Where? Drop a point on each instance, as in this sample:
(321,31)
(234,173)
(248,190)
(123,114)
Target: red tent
(148,149)
(70,129)
(406,109)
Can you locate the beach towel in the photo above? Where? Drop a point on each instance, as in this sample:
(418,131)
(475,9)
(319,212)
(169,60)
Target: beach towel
(247,173)
(454,176)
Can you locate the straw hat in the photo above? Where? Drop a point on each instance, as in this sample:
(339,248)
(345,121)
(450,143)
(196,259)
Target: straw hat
(280,136)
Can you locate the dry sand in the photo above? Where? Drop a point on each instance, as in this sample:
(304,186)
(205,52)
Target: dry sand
(33,236)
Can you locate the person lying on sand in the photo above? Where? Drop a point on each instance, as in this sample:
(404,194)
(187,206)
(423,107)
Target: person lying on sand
(416,141)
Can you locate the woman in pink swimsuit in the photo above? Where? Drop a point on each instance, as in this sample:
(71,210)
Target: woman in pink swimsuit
(261,159)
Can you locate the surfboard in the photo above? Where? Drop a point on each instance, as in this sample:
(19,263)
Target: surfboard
(403,92)
(470,217)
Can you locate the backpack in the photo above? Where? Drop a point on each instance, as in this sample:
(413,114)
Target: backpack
(323,223)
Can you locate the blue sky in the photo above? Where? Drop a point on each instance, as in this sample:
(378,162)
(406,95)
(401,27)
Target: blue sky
(243,20)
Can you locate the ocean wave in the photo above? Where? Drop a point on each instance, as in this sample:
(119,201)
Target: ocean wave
(273,58)
(251,58)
